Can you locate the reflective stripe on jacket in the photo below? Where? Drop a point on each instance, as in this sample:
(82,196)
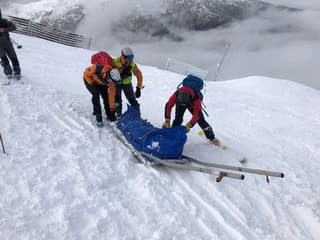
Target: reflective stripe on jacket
(119,63)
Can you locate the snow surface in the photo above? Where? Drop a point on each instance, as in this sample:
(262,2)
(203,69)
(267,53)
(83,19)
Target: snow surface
(65,179)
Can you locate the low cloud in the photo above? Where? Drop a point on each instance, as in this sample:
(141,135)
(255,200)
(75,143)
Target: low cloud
(279,44)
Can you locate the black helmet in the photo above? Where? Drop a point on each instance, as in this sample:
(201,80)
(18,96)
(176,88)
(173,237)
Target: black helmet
(183,98)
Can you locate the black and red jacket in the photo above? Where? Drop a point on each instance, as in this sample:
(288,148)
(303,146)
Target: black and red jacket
(7,26)
(194,106)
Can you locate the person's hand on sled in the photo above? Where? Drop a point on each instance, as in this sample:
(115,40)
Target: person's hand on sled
(166,123)
(188,127)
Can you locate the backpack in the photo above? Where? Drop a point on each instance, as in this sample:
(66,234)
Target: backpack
(193,82)
(196,84)
(102,58)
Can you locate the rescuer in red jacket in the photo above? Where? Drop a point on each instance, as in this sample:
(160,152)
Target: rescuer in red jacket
(187,98)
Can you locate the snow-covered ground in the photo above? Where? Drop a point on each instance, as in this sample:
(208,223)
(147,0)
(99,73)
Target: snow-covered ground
(65,179)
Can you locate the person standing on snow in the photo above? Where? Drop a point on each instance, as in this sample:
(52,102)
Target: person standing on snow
(127,66)
(187,98)
(7,49)
(101,81)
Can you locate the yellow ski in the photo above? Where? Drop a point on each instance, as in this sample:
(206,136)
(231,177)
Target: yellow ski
(218,144)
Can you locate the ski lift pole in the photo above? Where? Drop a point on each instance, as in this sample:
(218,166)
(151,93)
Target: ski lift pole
(3,149)
(221,61)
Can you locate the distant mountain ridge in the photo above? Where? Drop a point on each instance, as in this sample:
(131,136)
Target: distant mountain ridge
(160,22)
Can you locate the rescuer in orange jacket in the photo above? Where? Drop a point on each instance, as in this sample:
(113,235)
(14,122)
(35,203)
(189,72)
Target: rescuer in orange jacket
(101,81)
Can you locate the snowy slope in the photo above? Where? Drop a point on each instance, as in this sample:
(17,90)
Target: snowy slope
(65,179)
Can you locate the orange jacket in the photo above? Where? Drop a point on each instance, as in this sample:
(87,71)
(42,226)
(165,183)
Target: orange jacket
(95,75)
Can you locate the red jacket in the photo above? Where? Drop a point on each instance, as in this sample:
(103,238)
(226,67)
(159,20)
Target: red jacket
(194,107)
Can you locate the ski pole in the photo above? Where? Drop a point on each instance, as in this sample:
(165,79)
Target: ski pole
(4,151)
(221,61)
(15,43)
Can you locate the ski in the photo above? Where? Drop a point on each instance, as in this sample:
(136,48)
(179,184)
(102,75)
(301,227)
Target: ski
(224,148)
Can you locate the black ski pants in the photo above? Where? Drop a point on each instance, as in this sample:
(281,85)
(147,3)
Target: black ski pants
(7,50)
(97,91)
(204,125)
(129,93)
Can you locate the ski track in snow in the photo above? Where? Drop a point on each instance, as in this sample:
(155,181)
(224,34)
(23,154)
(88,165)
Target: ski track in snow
(49,119)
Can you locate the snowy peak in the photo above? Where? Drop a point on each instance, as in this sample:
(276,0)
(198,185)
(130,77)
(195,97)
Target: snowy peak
(162,20)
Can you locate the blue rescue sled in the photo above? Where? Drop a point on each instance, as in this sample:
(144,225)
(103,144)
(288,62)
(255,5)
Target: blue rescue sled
(163,143)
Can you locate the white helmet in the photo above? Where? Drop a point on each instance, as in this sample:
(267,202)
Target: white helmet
(114,75)
(127,53)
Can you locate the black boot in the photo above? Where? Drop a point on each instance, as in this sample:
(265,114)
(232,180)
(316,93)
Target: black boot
(7,70)
(209,133)
(6,66)
(118,110)
(16,72)
(99,120)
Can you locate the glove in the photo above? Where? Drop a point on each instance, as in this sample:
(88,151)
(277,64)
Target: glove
(188,127)
(103,80)
(138,92)
(166,123)
(112,116)
(126,72)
